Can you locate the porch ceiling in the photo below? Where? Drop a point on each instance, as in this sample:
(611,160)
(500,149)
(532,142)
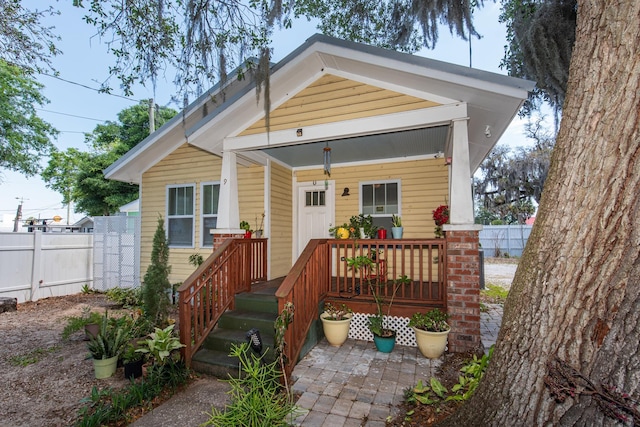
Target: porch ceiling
(410,143)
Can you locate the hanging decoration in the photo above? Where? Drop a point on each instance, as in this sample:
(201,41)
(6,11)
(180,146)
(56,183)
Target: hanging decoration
(327,164)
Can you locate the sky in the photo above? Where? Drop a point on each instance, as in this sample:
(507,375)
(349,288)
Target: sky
(75,109)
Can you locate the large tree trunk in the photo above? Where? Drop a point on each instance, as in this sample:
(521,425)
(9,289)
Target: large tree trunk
(576,294)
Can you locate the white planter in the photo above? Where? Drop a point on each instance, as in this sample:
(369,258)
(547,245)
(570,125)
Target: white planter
(336,331)
(431,344)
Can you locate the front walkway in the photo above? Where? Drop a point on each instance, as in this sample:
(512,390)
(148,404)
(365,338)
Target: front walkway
(355,385)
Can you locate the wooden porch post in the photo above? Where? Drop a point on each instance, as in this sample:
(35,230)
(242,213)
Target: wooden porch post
(463,262)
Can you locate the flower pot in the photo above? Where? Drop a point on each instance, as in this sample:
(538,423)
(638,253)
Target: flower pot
(336,331)
(133,369)
(396,232)
(382,233)
(104,368)
(431,344)
(247,234)
(385,344)
(91,331)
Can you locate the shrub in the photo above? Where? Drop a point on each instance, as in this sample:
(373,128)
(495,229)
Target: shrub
(156,286)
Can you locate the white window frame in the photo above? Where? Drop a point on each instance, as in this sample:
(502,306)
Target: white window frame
(207,243)
(192,216)
(385,182)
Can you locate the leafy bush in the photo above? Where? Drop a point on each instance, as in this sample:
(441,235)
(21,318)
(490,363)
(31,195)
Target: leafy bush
(126,297)
(257,397)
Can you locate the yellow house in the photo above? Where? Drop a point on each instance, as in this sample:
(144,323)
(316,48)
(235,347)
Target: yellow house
(352,129)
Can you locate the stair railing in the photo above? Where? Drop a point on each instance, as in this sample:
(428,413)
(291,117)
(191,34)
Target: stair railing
(305,286)
(210,290)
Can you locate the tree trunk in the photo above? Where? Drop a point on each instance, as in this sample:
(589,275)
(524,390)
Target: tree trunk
(576,293)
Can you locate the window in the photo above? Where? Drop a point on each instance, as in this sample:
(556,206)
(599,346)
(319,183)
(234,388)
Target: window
(180,220)
(209,211)
(380,199)
(314,198)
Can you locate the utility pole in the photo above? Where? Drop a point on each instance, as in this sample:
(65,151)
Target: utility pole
(152,119)
(16,221)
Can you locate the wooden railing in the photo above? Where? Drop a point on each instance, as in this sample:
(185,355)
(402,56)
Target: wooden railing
(304,286)
(322,272)
(210,290)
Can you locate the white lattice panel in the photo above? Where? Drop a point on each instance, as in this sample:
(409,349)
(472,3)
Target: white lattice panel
(359,329)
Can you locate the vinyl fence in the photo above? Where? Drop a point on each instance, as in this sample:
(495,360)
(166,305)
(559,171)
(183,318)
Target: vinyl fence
(39,265)
(117,252)
(501,240)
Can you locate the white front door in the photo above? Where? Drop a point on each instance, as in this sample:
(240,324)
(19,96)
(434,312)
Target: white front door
(315,212)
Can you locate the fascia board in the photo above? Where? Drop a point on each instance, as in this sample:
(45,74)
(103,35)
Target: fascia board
(350,128)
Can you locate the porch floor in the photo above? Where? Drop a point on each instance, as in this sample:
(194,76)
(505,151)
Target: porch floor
(341,386)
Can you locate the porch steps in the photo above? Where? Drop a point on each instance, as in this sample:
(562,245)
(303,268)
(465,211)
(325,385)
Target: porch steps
(259,310)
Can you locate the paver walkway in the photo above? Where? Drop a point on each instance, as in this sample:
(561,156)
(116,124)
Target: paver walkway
(356,385)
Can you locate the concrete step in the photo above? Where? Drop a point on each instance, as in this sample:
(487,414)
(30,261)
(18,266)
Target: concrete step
(243,320)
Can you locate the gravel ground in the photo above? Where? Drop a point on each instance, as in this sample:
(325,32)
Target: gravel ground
(45,377)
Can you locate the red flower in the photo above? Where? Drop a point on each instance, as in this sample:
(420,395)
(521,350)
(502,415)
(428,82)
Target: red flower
(441,215)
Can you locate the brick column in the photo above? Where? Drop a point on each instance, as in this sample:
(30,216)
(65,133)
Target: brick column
(463,290)
(220,237)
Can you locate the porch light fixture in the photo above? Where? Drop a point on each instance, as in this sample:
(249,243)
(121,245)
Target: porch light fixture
(255,341)
(299,132)
(487,131)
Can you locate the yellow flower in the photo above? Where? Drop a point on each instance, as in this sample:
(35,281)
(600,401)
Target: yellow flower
(342,233)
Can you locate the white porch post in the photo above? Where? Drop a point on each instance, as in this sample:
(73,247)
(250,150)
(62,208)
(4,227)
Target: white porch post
(229,214)
(461,204)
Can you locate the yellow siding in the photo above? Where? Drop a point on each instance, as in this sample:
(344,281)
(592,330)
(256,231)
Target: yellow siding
(423,184)
(281,234)
(189,165)
(333,99)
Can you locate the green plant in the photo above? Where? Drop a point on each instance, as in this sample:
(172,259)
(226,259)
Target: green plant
(257,398)
(245,226)
(196,260)
(433,321)
(365,222)
(336,312)
(31,357)
(126,297)
(396,221)
(160,344)
(377,324)
(86,289)
(435,393)
(131,355)
(77,323)
(495,294)
(110,340)
(156,285)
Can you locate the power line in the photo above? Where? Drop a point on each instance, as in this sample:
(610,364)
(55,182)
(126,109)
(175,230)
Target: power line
(70,115)
(91,88)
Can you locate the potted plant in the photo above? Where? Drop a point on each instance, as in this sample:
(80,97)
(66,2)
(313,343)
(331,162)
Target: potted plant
(260,226)
(106,347)
(383,336)
(431,329)
(132,362)
(396,227)
(335,323)
(440,217)
(89,320)
(247,229)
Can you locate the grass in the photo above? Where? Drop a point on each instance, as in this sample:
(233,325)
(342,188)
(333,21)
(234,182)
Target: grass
(31,357)
(494,294)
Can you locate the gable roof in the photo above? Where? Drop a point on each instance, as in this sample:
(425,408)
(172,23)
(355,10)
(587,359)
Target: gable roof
(224,115)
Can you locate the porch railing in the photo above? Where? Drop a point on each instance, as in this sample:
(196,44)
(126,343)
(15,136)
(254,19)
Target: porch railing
(210,290)
(322,272)
(304,286)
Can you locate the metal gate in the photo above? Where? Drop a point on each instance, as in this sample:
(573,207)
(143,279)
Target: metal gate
(116,252)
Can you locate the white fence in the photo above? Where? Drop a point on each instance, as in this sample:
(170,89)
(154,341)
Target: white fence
(501,240)
(39,265)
